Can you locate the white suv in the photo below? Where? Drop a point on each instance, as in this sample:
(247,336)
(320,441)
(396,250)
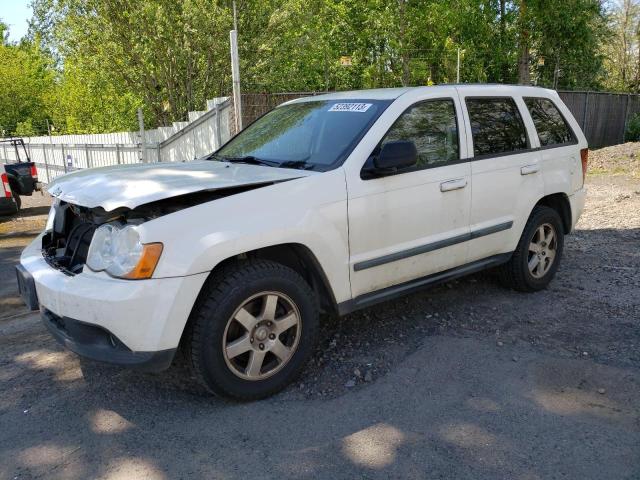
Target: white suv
(330,203)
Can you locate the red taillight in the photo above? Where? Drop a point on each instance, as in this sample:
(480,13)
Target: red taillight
(34,171)
(5,185)
(584,156)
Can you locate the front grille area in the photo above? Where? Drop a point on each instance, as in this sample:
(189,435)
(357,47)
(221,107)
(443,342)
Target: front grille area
(66,246)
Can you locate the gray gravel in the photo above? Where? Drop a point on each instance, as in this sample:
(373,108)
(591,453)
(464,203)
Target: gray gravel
(591,309)
(467,380)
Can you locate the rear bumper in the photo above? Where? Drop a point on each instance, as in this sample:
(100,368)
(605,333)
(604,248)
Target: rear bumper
(577,205)
(97,343)
(8,206)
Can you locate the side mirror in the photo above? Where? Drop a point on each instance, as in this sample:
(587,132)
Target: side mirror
(395,156)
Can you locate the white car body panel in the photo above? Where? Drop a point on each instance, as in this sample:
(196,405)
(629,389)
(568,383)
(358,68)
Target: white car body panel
(132,185)
(501,194)
(343,220)
(147,315)
(260,218)
(391,214)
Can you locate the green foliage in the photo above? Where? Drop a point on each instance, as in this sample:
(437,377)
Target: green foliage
(84,101)
(633,129)
(26,79)
(87,65)
(567,38)
(25,129)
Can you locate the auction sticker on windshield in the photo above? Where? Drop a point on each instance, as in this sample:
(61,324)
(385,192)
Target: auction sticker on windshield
(350,107)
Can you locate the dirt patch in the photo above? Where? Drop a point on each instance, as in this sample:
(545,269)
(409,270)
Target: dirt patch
(28,222)
(617,160)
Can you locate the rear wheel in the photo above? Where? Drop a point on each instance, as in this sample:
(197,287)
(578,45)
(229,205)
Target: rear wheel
(537,256)
(253,329)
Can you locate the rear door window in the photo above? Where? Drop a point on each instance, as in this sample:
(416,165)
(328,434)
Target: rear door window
(550,124)
(496,126)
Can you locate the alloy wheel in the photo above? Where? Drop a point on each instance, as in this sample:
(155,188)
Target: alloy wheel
(262,335)
(542,250)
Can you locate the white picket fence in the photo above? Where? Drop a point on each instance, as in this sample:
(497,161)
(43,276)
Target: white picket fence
(204,133)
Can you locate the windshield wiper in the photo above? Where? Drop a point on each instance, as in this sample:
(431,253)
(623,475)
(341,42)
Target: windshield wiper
(250,159)
(299,164)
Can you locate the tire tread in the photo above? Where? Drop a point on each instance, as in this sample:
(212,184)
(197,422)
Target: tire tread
(512,274)
(218,287)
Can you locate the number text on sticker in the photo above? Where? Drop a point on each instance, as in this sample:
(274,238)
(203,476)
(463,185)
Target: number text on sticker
(350,107)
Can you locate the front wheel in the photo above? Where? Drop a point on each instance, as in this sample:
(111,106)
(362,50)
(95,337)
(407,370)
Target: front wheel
(537,256)
(252,330)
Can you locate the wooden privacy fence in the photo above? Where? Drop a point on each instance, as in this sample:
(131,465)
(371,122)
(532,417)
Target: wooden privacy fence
(255,105)
(603,116)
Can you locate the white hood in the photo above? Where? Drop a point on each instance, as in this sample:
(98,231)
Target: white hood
(133,185)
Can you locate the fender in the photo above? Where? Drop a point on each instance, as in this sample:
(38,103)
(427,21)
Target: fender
(210,233)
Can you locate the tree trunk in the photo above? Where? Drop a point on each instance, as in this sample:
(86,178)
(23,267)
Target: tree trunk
(636,83)
(556,72)
(504,67)
(404,53)
(524,76)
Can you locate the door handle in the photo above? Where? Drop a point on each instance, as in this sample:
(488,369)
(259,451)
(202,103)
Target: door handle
(450,185)
(529,169)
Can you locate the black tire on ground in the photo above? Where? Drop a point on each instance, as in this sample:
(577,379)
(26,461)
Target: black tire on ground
(515,273)
(225,292)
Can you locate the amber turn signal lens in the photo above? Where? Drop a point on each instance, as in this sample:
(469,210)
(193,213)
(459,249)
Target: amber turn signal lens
(148,260)
(584,157)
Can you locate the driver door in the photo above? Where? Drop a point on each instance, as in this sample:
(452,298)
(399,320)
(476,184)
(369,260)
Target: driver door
(415,222)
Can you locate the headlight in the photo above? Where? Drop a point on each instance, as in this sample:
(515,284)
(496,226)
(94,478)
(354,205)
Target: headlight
(101,250)
(127,251)
(118,250)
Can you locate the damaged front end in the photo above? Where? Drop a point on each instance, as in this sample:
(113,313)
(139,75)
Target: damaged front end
(70,229)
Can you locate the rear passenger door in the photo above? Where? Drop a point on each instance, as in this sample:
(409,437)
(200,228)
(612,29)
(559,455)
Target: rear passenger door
(505,170)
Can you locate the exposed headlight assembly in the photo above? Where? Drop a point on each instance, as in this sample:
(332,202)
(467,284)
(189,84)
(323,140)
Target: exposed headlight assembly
(52,216)
(117,250)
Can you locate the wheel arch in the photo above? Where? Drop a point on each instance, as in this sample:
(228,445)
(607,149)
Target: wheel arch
(296,256)
(299,258)
(560,203)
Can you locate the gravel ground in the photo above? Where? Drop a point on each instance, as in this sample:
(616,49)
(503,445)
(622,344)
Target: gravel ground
(592,308)
(574,348)
(15,232)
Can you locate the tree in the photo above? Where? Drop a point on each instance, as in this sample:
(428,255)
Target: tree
(108,57)
(168,56)
(26,78)
(622,53)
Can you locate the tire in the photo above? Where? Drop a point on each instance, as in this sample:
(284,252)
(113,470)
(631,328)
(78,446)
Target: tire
(516,273)
(236,313)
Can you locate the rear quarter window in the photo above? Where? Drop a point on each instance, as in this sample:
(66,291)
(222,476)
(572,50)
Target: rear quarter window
(551,126)
(496,126)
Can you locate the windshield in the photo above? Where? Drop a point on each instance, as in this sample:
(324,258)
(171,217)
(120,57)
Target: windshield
(314,135)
